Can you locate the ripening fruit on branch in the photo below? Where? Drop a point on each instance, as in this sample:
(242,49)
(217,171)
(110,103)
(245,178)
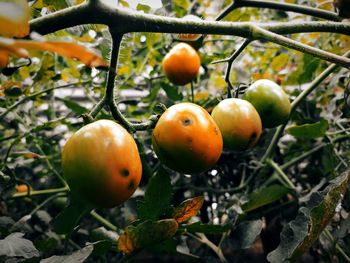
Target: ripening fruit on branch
(101,164)
(239,123)
(181,64)
(195,40)
(271,102)
(186,139)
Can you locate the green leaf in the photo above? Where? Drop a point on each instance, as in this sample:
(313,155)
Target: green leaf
(146,234)
(299,235)
(145,8)
(172,92)
(245,234)
(75,107)
(157,197)
(14,245)
(78,256)
(309,131)
(55,4)
(198,227)
(265,196)
(68,218)
(310,65)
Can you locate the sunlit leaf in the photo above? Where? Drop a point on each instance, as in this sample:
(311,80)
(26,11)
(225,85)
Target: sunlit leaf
(146,234)
(279,62)
(14,18)
(188,209)
(309,131)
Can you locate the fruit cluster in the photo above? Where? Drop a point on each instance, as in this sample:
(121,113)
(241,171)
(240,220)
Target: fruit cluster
(102,157)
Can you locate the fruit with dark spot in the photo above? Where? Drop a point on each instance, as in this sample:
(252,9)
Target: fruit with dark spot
(186,139)
(101,164)
(239,123)
(181,64)
(271,102)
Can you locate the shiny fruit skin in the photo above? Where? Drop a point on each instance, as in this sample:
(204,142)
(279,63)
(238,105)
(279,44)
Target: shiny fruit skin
(271,102)
(239,123)
(101,164)
(181,64)
(186,139)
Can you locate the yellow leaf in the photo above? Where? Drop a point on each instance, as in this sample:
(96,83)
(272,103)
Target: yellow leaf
(279,62)
(201,96)
(14,18)
(187,209)
(145,234)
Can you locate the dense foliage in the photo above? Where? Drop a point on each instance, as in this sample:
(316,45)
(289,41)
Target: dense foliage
(282,200)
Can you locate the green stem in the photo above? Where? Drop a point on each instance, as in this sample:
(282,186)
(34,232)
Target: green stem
(103,221)
(112,73)
(98,107)
(226,11)
(48,200)
(15,105)
(204,240)
(192,92)
(280,173)
(318,80)
(41,192)
(230,61)
(337,247)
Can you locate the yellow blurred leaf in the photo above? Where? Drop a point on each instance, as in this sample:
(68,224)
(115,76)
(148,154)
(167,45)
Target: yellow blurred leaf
(187,209)
(265,75)
(279,62)
(14,18)
(124,70)
(201,95)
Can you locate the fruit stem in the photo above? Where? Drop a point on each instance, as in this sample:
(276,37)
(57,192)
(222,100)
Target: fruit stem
(109,97)
(281,174)
(41,192)
(103,221)
(230,61)
(204,240)
(192,92)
